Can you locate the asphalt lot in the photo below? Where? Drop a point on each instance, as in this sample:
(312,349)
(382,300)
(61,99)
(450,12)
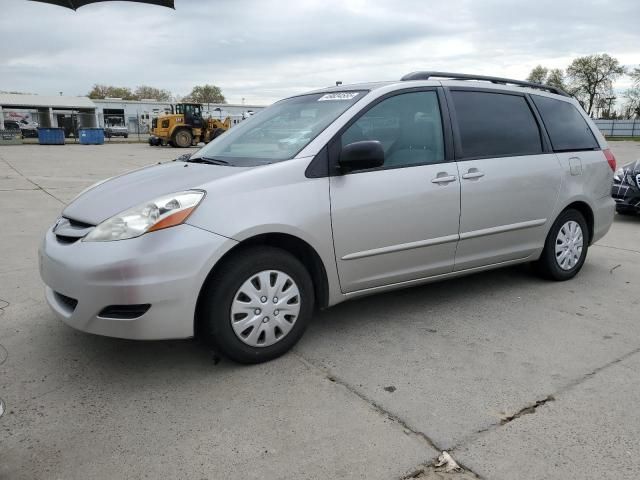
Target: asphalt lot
(515,376)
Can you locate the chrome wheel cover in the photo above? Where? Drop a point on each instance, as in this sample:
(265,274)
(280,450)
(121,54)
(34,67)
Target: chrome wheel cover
(569,244)
(265,308)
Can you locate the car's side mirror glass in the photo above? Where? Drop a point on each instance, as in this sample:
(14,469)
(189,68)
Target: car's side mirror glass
(361,156)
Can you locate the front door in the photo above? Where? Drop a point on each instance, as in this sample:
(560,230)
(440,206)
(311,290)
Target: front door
(398,222)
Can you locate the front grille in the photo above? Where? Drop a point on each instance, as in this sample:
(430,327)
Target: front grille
(70,303)
(68,230)
(124,312)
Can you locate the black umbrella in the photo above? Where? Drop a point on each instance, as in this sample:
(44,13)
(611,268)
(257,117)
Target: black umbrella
(75,4)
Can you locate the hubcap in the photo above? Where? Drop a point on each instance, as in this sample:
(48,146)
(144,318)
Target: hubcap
(569,243)
(265,308)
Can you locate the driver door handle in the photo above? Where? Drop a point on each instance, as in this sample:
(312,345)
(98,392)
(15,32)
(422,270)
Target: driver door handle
(444,179)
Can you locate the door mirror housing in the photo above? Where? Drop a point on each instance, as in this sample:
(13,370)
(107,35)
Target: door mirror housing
(361,155)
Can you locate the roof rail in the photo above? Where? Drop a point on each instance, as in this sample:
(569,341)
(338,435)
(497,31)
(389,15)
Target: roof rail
(498,80)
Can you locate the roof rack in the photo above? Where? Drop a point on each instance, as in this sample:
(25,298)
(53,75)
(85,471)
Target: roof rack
(498,80)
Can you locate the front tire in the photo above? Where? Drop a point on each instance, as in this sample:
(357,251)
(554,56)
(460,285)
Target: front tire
(257,305)
(565,248)
(182,138)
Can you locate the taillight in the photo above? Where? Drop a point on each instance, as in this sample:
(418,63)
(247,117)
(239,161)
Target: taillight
(611,160)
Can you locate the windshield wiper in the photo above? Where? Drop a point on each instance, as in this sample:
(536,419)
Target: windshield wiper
(209,160)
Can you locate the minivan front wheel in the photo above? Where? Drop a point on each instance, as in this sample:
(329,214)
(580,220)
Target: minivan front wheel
(257,304)
(566,247)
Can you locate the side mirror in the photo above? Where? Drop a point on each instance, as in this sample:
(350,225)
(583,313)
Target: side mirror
(361,155)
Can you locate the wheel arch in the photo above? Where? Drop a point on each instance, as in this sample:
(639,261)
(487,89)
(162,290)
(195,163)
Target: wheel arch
(292,244)
(587,212)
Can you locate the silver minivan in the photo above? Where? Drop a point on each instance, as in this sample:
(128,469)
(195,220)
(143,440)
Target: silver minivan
(329,196)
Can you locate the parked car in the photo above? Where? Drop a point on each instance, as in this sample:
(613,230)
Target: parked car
(387,185)
(28,123)
(116,130)
(626,188)
(26,130)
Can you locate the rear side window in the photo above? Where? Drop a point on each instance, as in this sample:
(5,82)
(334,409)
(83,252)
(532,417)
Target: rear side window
(567,128)
(495,125)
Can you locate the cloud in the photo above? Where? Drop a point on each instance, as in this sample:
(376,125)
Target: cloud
(262,50)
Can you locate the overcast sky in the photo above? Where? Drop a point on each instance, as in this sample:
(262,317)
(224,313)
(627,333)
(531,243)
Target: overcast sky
(263,50)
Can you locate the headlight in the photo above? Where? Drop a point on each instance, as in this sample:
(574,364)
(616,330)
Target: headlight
(619,175)
(164,212)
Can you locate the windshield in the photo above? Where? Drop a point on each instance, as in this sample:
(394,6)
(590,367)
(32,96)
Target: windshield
(280,131)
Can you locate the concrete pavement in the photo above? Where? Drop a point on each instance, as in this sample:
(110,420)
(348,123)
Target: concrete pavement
(515,376)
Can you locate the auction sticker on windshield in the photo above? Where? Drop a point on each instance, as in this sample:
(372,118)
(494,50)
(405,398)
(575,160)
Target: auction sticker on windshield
(338,96)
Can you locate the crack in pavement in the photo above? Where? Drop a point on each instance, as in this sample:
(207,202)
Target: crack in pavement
(332,378)
(532,408)
(427,470)
(38,187)
(616,248)
(422,468)
(528,410)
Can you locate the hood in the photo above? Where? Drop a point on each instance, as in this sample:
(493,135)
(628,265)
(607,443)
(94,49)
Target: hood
(125,191)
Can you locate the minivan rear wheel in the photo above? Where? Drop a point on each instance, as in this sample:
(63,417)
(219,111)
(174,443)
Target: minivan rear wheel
(257,305)
(565,248)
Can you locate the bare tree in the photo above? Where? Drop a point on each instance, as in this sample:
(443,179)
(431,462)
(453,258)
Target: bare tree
(592,78)
(632,104)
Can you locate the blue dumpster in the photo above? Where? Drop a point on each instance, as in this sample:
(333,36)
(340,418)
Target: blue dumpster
(91,136)
(51,136)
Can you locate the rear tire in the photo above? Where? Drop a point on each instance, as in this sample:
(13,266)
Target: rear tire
(242,296)
(182,138)
(565,248)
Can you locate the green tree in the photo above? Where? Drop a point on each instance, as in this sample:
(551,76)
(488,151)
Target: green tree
(538,74)
(145,91)
(553,77)
(556,79)
(592,77)
(206,94)
(103,91)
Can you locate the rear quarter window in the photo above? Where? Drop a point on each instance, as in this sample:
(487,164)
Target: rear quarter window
(495,125)
(567,128)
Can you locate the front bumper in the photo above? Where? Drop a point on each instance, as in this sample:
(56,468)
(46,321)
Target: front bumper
(627,198)
(165,269)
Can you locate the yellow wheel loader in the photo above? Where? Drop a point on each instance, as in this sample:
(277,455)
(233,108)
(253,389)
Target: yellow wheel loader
(184,127)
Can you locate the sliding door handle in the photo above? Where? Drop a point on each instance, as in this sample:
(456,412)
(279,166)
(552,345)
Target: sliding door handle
(472,173)
(444,179)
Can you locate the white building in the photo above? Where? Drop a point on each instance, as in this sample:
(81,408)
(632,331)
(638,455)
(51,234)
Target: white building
(73,112)
(137,115)
(47,111)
